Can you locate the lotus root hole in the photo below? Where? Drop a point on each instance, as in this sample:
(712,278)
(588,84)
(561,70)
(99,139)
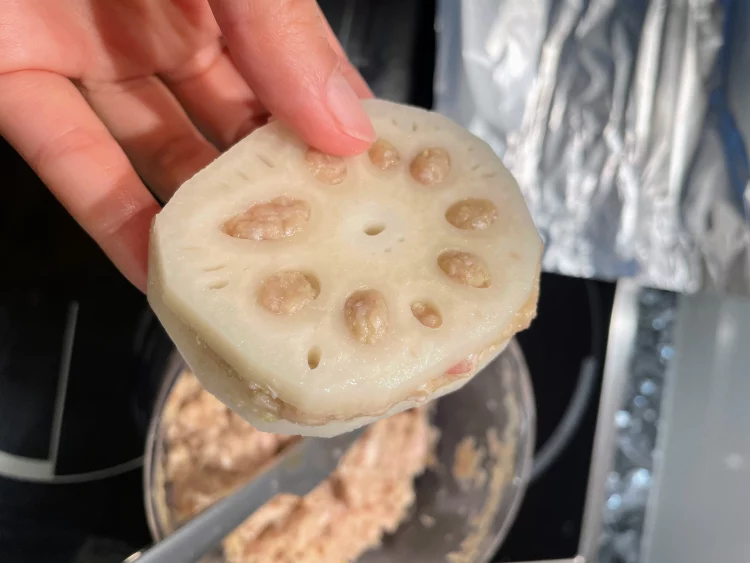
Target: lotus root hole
(326,168)
(465,268)
(384,155)
(278,218)
(472,214)
(218,284)
(313,357)
(431,166)
(366,316)
(375,229)
(286,293)
(427,314)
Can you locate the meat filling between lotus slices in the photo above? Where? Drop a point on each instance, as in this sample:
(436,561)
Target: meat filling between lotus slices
(326,291)
(274,408)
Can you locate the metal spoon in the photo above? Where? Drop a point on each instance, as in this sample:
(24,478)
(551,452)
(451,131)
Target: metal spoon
(298,470)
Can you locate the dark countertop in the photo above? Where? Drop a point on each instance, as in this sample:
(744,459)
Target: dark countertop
(115,370)
(54,273)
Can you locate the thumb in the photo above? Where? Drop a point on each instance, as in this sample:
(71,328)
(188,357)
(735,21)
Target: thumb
(281,48)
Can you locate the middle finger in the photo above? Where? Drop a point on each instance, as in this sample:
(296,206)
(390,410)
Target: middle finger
(216,97)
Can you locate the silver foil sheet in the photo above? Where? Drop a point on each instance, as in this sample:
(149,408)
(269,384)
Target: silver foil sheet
(623,121)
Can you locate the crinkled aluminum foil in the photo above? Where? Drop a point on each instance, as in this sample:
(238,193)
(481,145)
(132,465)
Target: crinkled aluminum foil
(624,122)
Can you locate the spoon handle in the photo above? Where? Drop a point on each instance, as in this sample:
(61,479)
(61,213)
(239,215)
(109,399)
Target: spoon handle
(298,471)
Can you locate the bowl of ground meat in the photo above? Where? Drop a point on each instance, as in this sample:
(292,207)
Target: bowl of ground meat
(441,482)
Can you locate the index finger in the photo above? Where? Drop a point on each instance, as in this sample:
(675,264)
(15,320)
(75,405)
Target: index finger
(282,50)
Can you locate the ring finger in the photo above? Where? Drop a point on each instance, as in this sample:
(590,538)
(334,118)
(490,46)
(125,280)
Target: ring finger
(163,144)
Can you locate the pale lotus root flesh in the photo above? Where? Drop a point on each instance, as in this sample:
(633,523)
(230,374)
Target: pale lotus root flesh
(431,166)
(278,218)
(427,314)
(286,293)
(326,168)
(366,315)
(465,268)
(472,214)
(384,155)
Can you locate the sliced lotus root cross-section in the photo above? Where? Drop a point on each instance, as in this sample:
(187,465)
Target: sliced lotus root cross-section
(313,294)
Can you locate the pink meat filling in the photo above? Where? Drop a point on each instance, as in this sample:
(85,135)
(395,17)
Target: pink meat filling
(466,365)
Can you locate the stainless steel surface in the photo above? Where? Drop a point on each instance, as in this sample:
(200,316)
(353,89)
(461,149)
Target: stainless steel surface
(625,124)
(622,333)
(638,425)
(700,506)
(638,315)
(298,470)
(640,349)
(634,308)
(498,400)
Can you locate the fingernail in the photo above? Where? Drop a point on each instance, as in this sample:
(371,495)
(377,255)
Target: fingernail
(347,109)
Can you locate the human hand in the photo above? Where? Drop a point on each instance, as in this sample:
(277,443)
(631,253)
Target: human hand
(92,91)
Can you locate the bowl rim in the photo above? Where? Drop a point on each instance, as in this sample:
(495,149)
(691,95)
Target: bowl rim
(518,484)
(175,366)
(527,424)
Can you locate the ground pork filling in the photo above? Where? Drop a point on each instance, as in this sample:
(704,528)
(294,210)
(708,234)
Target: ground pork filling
(211,451)
(273,408)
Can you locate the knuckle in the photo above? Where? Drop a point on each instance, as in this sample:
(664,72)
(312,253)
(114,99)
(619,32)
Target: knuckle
(120,210)
(174,150)
(55,149)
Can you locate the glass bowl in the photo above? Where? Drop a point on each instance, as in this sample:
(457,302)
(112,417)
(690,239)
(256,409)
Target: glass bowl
(464,515)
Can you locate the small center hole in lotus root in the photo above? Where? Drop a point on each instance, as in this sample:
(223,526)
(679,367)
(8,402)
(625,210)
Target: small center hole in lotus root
(374,229)
(313,357)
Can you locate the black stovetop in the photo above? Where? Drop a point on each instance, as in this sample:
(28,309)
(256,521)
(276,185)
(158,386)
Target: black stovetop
(81,355)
